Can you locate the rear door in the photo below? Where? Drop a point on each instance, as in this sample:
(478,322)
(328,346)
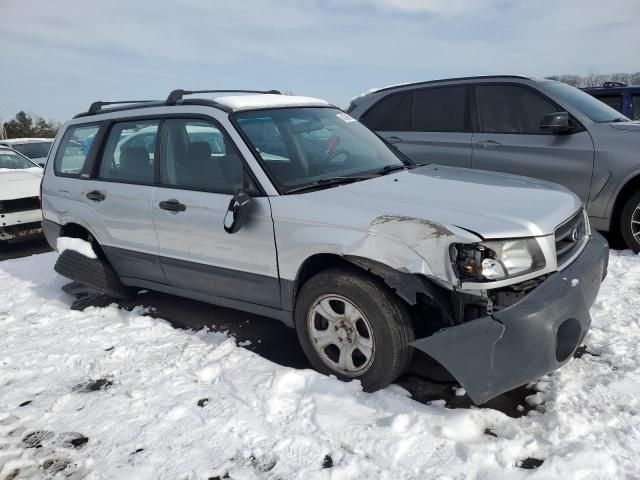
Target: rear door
(429,125)
(509,139)
(200,171)
(119,198)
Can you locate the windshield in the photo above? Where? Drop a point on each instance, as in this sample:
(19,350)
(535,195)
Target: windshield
(33,149)
(302,146)
(588,105)
(13,161)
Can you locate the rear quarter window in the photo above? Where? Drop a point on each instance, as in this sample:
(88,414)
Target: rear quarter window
(74,149)
(635,107)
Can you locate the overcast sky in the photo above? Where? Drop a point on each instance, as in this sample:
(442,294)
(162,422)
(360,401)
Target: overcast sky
(58,56)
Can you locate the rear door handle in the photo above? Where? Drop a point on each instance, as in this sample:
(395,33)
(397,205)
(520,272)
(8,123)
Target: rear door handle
(393,139)
(173,205)
(488,144)
(96,196)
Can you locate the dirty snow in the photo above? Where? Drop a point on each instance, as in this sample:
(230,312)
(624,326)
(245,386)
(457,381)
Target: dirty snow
(111,394)
(76,244)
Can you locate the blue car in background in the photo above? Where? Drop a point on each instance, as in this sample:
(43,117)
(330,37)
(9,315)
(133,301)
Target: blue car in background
(624,98)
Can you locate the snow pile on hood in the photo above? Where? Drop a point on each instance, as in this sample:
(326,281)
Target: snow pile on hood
(76,244)
(109,393)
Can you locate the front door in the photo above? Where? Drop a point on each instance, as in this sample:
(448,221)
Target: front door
(200,171)
(509,139)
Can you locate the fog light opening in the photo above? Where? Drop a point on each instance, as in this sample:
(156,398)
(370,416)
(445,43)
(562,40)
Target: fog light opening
(567,338)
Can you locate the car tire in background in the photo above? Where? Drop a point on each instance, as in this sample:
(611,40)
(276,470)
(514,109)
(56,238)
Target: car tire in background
(630,222)
(352,326)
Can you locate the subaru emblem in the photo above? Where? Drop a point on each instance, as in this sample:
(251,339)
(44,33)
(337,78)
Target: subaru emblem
(575,235)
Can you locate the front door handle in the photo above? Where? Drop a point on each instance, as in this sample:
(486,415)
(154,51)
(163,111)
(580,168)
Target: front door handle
(393,139)
(488,144)
(173,205)
(96,196)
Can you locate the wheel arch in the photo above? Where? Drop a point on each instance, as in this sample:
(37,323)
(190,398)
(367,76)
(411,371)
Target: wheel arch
(630,186)
(76,230)
(413,290)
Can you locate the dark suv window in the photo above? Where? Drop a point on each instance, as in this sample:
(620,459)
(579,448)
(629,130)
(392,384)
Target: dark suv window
(392,113)
(197,154)
(511,109)
(129,155)
(635,107)
(614,101)
(442,109)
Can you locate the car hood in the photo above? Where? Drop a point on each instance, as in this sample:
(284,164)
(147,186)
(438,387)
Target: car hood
(20,183)
(630,126)
(488,204)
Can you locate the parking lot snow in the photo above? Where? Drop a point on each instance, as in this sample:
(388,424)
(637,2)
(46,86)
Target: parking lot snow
(110,393)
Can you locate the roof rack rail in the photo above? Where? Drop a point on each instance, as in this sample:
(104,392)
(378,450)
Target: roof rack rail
(176,95)
(95,107)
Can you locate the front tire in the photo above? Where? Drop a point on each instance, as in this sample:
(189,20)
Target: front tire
(350,325)
(630,222)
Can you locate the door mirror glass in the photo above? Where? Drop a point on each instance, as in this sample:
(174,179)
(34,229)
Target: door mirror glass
(557,122)
(237,211)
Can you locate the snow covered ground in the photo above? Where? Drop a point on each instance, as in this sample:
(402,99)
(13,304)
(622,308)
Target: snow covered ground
(108,393)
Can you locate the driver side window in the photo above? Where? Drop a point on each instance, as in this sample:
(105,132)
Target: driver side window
(511,109)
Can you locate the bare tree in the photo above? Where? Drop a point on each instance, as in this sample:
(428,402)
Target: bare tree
(597,79)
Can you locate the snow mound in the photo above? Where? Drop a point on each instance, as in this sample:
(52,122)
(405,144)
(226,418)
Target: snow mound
(161,403)
(77,245)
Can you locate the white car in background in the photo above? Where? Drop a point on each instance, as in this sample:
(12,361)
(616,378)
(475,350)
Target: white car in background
(36,149)
(20,215)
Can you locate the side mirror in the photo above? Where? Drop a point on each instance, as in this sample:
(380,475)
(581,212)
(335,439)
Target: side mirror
(237,211)
(557,122)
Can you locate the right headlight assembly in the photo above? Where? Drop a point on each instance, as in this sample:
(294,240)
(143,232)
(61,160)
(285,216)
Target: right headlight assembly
(496,259)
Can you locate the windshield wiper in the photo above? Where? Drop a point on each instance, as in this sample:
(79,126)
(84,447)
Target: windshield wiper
(391,168)
(328,182)
(620,119)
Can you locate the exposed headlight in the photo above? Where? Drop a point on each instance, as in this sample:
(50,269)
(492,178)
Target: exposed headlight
(496,259)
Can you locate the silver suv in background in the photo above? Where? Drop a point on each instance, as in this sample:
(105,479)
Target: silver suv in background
(526,126)
(290,208)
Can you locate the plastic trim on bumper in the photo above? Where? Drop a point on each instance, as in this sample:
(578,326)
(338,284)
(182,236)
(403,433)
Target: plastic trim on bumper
(519,344)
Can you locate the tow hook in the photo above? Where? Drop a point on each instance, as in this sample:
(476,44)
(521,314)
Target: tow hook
(489,307)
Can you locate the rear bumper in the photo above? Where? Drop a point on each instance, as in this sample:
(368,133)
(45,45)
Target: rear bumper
(519,344)
(16,226)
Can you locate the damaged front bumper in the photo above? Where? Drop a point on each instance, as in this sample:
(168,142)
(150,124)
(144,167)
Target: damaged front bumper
(520,343)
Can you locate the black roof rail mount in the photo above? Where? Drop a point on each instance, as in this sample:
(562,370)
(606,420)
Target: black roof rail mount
(95,107)
(613,84)
(177,95)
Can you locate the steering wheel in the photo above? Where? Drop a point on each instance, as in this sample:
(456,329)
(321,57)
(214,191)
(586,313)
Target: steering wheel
(333,155)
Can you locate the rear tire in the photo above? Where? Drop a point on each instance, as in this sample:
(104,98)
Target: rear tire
(352,326)
(630,222)
(92,272)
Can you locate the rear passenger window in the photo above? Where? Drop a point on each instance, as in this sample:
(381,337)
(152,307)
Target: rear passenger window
(614,101)
(129,154)
(511,109)
(199,155)
(73,150)
(635,107)
(392,113)
(442,109)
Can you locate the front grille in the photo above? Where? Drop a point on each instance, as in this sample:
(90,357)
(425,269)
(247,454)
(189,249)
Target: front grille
(569,237)
(19,205)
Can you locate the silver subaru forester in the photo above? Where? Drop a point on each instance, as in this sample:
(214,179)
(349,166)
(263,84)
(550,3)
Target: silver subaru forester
(288,207)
